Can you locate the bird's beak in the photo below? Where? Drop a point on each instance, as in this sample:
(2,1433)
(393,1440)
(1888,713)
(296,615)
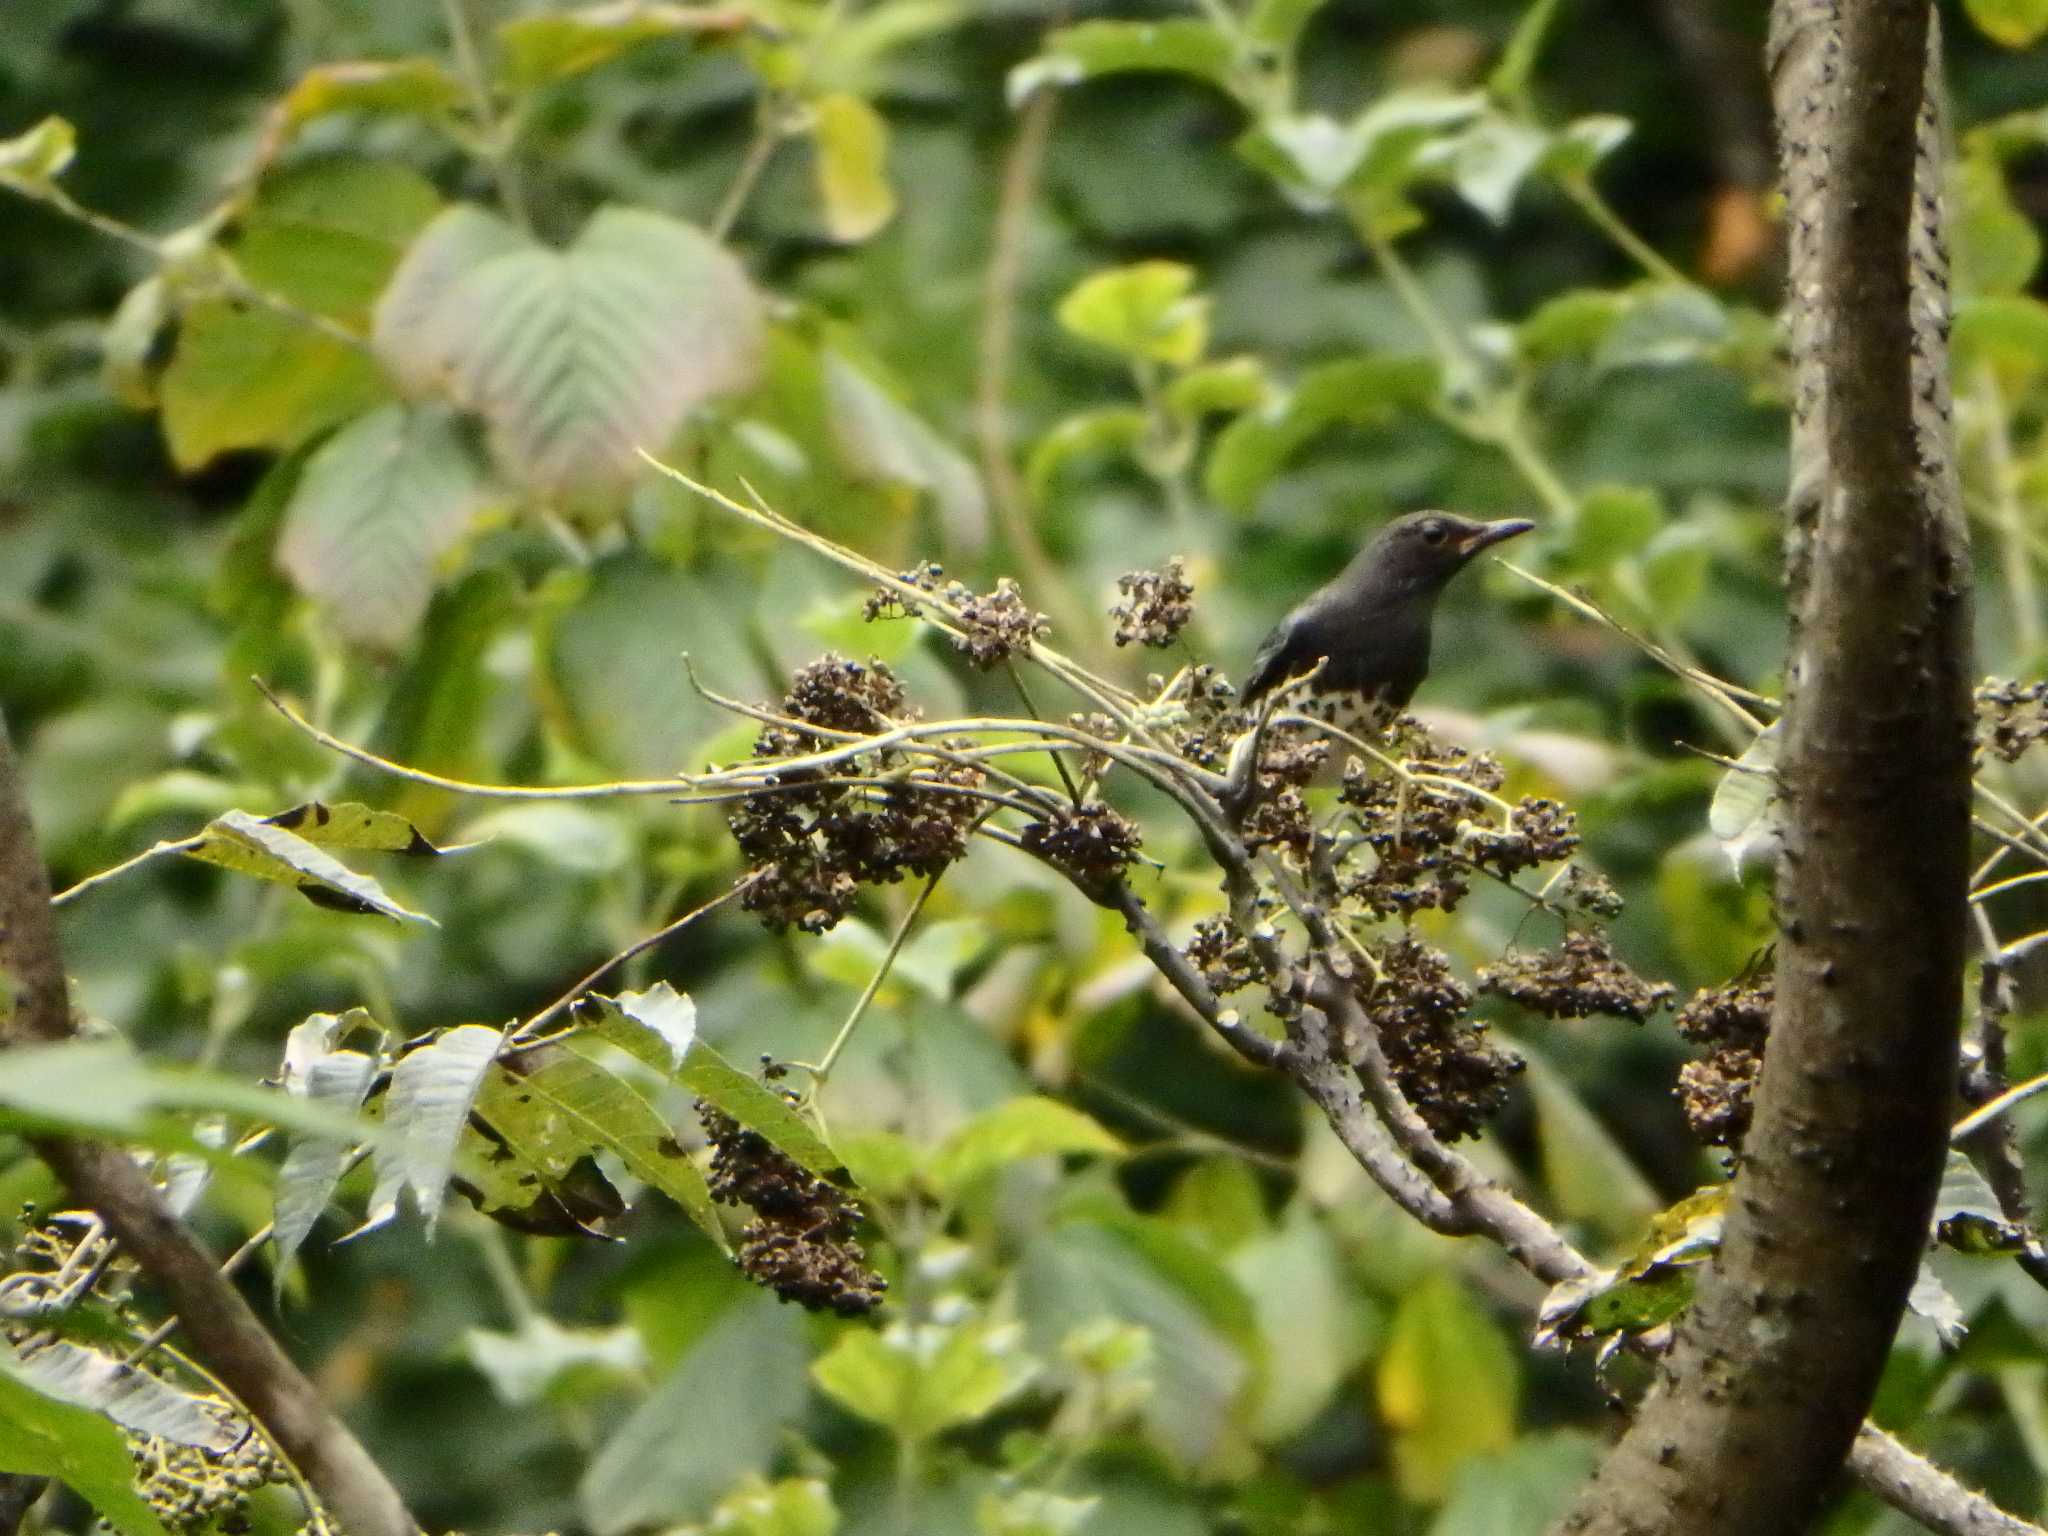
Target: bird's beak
(1489,534)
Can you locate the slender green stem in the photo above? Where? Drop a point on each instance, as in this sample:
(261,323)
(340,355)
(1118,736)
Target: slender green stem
(1581,190)
(767,138)
(1415,298)
(822,1072)
(93,882)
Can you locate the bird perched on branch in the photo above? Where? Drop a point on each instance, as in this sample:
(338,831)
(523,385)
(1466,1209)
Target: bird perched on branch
(1369,628)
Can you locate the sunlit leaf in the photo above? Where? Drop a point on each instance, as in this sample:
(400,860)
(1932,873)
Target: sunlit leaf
(1149,310)
(527,1365)
(1012,1131)
(540,49)
(1492,159)
(667,1015)
(1510,77)
(131,1398)
(417,85)
(2014,23)
(1448,1386)
(1584,143)
(432,1089)
(313,1165)
(1743,815)
(1180,46)
(853,167)
(1278,24)
(795,1506)
(137,342)
(244,377)
(42,1436)
(1365,391)
(1649,1287)
(1228,385)
(919,1380)
(376,509)
(35,159)
(251,845)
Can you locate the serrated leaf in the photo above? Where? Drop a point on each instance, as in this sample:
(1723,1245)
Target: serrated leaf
(541,49)
(1092,434)
(853,167)
(1070,55)
(131,1398)
(1743,813)
(43,1437)
(1012,1131)
(250,845)
(1365,391)
(1447,1386)
(758,1108)
(313,1165)
(432,1091)
(1147,310)
(376,509)
(575,358)
(883,441)
(34,159)
(663,1013)
(2013,23)
(566,1105)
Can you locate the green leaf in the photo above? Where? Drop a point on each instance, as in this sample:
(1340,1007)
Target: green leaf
(1664,325)
(1744,814)
(572,838)
(1587,1174)
(1613,523)
(1675,566)
(663,1015)
(1095,434)
(565,1105)
(1652,1285)
(574,358)
(1528,1486)
(721,1414)
(1447,1386)
(133,1399)
(853,167)
(1148,310)
(1308,1321)
(758,1108)
(43,1437)
(884,442)
(919,1380)
(432,1090)
(1363,391)
(328,232)
(376,510)
(1033,1512)
(541,49)
(1510,77)
(1492,159)
(251,845)
(1278,24)
(1198,50)
(796,1506)
(532,1363)
(1013,1131)
(351,824)
(1571,325)
(34,159)
(1584,143)
(2007,333)
(1228,385)
(2014,23)
(418,86)
(1997,248)
(137,342)
(313,1165)
(252,378)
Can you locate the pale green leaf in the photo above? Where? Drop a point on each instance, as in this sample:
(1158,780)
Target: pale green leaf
(1526,1487)
(1198,50)
(432,1090)
(2014,23)
(1228,386)
(41,1436)
(853,167)
(1278,24)
(1148,310)
(377,508)
(1308,1320)
(313,1165)
(132,1398)
(548,46)
(1492,159)
(2007,333)
(796,1506)
(250,845)
(1584,143)
(416,85)
(667,1015)
(35,159)
(1447,1384)
(527,1365)
(882,441)
(1015,1130)
(1112,430)
(1744,813)
(921,1380)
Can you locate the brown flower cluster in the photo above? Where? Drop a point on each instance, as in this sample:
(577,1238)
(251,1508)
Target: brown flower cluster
(800,1243)
(1440,1058)
(995,626)
(1223,956)
(815,838)
(1416,830)
(1578,979)
(1090,844)
(2011,717)
(1156,605)
(1733,1022)
(1539,831)
(1210,724)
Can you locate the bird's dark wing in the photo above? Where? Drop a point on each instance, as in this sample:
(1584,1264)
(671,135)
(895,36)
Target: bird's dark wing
(1283,655)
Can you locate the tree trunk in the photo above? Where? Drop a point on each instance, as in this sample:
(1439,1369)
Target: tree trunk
(1776,1362)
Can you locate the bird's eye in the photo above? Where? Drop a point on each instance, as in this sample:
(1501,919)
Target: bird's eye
(1433,532)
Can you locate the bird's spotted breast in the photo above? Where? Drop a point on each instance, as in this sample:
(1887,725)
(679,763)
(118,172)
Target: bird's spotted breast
(1361,714)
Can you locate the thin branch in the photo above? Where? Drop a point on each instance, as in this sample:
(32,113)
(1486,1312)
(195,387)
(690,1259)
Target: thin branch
(822,1072)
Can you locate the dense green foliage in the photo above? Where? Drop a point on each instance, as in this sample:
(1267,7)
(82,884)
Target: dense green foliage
(344,394)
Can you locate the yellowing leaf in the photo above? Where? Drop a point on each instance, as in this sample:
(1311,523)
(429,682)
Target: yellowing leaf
(1148,311)
(1447,1386)
(852,164)
(251,378)
(555,45)
(38,157)
(2015,23)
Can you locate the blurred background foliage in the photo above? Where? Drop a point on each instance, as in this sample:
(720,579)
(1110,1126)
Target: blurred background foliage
(1261,277)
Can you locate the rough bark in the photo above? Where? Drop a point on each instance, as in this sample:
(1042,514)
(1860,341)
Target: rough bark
(226,1334)
(1759,1401)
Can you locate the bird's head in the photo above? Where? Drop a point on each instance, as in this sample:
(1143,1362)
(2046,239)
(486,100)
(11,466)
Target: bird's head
(1423,550)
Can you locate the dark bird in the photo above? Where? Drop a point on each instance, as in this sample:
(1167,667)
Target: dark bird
(1370,626)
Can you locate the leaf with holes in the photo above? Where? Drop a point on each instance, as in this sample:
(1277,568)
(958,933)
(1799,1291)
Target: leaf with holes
(574,358)
(432,1090)
(565,1104)
(252,846)
(376,510)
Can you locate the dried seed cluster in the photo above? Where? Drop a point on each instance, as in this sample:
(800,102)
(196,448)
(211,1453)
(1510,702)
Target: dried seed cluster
(1578,979)
(1090,844)
(1441,1059)
(1416,828)
(814,838)
(1156,605)
(2011,717)
(800,1243)
(1223,956)
(1539,831)
(994,626)
(1733,1022)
